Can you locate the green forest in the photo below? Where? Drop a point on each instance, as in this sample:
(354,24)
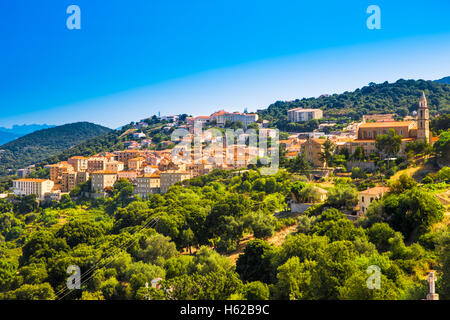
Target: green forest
(41,144)
(184,238)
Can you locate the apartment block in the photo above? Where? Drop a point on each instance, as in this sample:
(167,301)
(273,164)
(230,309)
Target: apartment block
(39,187)
(79,163)
(301,115)
(221,117)
(136,163)
(57,170)
(97,164)
(147,184)
(312,149)
(115,166)
(169,178)
(125,155)
(102,179)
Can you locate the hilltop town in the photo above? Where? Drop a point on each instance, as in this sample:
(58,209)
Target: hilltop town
(238,205)
(155,171)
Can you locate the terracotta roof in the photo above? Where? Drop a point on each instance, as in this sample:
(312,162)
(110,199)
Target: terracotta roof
(373,140)
(387,124)
(150,176)
(104,172)
(219,113)
(375,190)
(32,180)
(321,141)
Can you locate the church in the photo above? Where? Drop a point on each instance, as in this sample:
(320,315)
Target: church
(418,129)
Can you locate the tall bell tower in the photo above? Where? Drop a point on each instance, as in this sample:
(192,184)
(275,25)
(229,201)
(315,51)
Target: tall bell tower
(423,120)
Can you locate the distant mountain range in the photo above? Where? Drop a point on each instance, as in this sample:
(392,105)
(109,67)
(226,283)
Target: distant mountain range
(444,80)
(41,144)
(16,131)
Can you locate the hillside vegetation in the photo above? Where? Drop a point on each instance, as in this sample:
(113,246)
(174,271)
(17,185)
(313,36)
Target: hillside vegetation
(42,144)
(400,98)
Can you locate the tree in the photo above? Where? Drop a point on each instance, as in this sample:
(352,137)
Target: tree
(300,164)
(309,194)
(358,173)
(76,232)
(41,291)
(294,279)
(210,286)
(255,263)
(342,196)
(207,261)
(389,143)
(334,267)
(358,154)
(379,234)
(188,239)
(418,147)
(26,204)
(326,155)
(42,245)
(403,184)
(261,224)
(412,212)
(157,249)
(442,147)
(256,290)
(355,288)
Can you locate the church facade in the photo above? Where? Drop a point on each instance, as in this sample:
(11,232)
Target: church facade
(409,130)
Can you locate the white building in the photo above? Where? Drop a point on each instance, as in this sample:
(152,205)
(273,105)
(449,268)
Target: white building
(221,117)
(39,187)
(301,115)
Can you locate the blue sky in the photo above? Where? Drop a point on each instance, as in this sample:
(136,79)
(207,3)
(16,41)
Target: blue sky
(134,58)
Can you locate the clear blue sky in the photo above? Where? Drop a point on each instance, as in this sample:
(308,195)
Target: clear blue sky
(134,58)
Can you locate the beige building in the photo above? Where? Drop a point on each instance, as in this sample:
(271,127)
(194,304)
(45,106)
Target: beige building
(221,117)
(301,115)
(39,187)
(125,155)
(129,175)
(97,164)
(71,179)
(102,179)
(79,163)
(115,166)
(366,197)
(409,130)
(169,178)
(147,184)
(312,149)
(57,170)
(136,163)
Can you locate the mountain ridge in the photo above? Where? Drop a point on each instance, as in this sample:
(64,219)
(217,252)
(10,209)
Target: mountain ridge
(39,145)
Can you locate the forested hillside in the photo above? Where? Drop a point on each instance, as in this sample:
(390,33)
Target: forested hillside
(400,98)
(123,242)
(444,80)
(42,144)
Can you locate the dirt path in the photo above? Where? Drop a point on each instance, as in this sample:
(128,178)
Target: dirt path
(277,239)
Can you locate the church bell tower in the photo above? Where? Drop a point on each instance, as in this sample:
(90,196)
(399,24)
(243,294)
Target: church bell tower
(423,120)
